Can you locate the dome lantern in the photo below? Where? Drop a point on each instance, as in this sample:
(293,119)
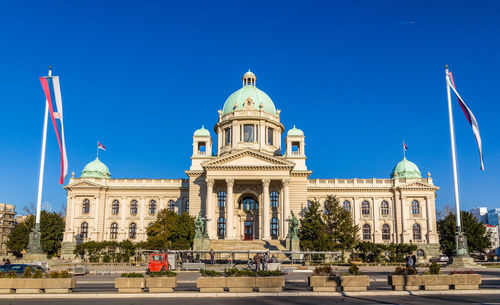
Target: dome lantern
(249,79)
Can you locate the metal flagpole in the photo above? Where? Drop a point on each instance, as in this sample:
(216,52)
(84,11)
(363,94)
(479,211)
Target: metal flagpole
(97,149)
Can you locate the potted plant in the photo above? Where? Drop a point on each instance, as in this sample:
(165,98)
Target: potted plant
(211,281)
(354,280)
(269,281)
(130,283)
(6,281)
(323,279)
(240,280)
(434,280)
(163,281)
(405,279)
(465,280)
(29,282)
(59,282)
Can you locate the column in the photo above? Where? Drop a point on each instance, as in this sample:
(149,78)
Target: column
(265,210)
(229,209)
(209,210)
(376,216)
(286,203)
(428,213)
(403,220)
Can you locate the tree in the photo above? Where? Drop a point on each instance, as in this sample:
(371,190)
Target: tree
(478,239)
(340,225)
(51,227)
(171,231)
(312,233)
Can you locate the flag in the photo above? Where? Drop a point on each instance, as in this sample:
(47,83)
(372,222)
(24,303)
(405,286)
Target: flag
(56,93)
(404,146)
(100,146)
(470,117)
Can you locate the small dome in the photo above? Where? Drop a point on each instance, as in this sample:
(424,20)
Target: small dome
(95,169)
(295,132)
(202,132)
(406,169)
(249,90)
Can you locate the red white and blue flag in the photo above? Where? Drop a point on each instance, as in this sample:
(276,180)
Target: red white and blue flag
(404,146)
(100,146)
(52,91)
(469,115)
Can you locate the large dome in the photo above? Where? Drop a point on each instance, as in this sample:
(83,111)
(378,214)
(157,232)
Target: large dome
(406,169)
(95,169)
(249,90)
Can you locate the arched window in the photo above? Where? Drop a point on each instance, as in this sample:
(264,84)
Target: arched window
(365,208)
(221,227)
(186,206)
(114,230)
(347,206)
(133,207)
(415,207)
(275,199)
(170,206)
(221,199)
(367,232)
(417,232)
(115,207)
(152,207)
(84,230)
(86,206)
(309,203)
(420,253)
(324,206)
(384,208)
(132,230)
(386,232)
(248,203)
(274,227)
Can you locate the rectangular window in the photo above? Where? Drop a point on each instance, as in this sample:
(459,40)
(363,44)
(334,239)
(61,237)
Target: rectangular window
(248,133)
(270,132)
(228,136)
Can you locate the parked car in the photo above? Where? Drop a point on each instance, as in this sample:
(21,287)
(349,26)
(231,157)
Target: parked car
(80,270)
(440,259)
(19,268)
(158,262)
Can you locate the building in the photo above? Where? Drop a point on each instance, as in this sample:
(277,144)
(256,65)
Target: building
(7,222)
(494,238)
(481,214)
(494,216)
(249,188)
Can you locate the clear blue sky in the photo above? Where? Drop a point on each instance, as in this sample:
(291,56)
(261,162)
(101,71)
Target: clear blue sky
(357,76)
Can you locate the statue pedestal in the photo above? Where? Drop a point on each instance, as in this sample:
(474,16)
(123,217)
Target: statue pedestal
(201,244)
(463,262)
(67,250)
(293,244)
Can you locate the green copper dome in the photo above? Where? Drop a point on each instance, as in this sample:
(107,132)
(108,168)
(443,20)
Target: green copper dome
(95,169)
(202,132)
(295,132)
(406,169)
(236,100)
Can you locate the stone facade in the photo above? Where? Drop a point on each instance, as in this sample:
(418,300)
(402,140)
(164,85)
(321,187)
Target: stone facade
(7,222)
(249,188)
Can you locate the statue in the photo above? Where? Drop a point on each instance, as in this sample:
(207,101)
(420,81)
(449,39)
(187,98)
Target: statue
(199,226)
(293,227)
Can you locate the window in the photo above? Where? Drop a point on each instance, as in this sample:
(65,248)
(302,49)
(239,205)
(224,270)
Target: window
(386,232)
(367,232)
(415,207)
(248,203)
(132,230)
(384,208)
(270,133)
(325,204)
(417,232)
(221,227)
(133,207)
(186,206)
(84,230)
(275,199)
(365,208)
(86,206)
(114,230)
(274,227)
(152,207)
(170,206)
(248,133)
(115,207)
(295,148)
(221,199)
(309,203)
(347,206)
(227,135)
(202,148)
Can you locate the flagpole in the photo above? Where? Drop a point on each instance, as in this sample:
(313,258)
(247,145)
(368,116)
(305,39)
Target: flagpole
(404,150)
(97,149)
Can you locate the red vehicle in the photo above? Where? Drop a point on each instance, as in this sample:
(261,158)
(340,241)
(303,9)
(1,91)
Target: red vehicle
(158,262)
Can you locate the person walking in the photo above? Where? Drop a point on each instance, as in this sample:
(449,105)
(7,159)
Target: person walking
(274,259)
(267,260)
(212,257)
(257,258)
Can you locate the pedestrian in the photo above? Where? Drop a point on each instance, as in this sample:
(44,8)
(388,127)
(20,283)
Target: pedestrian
(257,259)
(212,257)
(197,258)
(414,259)
(274,259)
(407,261)
(267,260)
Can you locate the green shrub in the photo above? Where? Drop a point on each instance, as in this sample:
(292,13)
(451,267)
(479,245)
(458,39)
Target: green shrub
(434,268)
(132,274)
(323,270)
(237,272)
(64,274)
(269,273)
(354,270)
(38,274)
(210,273)
(166,273)
(27,273)
(106,258)
(405,271)
(54,275)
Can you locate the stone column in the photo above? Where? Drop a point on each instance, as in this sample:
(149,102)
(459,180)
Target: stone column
(403,220)
(286,204)
(209,210)
(229,209)
(429,218)
(265,210)
(377,236)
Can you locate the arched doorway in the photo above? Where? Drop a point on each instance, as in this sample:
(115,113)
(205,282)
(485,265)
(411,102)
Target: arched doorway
(250,206)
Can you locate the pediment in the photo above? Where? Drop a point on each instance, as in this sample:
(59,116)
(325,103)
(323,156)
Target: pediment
(417,185)
(248,158)
(83,184)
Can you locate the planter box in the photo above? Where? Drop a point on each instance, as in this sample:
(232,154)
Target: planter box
(270,284)
(130,285)
(27,285)
(58,285)
(323,283)
(211,284)
(6,286)
(436,282)
(240,284)
(405,282)
(161,284)
(354,282)
(465,281)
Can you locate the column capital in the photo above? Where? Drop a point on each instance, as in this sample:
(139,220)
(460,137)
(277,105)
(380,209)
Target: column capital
(266,182)
(285,182)
(230,182)
(210,182)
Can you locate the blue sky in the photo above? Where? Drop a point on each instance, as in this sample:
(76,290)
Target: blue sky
(357,76)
